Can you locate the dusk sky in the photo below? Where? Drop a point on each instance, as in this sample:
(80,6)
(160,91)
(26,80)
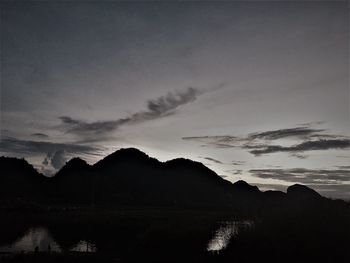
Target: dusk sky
(257,91)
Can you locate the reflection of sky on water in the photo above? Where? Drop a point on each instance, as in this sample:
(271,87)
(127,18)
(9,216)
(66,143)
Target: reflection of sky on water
(41,238)
(84,246)
(224,234)
(34,237)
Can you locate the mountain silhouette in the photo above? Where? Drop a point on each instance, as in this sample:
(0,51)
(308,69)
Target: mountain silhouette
(302,192)
(20,182)
(72,183)
(129,177)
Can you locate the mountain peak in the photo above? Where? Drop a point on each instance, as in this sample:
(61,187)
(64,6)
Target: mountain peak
(74,165)
(19,166)
(127,153)
(76,161)
(243,185)
(183,162)
(302,192)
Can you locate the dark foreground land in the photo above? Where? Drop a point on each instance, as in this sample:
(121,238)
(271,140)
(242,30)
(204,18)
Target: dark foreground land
(180,235)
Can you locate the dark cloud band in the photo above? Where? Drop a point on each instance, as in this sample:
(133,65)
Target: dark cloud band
(304,146)
(260,143)
(26,147)
(305,176)
(156,108)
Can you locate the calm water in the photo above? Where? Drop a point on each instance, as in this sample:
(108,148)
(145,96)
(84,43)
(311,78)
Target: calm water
(40,239)
(225,233)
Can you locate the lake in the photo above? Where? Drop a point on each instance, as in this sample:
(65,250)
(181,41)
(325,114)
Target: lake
(40,239)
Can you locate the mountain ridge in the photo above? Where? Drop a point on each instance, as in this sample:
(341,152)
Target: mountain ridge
(131,177)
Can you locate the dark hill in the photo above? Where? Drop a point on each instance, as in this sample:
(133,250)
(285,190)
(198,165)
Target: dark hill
(19,181)
(125,156)
(73,183)
(302,192)
(74,167)
(129,177)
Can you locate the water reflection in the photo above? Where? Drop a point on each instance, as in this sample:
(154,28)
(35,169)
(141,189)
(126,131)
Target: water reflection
(39,239)
(226,231)
(84,246)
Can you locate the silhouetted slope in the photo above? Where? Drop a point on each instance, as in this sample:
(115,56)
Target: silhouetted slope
(74,167)
(19,181)
(302,192)
(127,176)
(131,177)
(191,183)
(73,183)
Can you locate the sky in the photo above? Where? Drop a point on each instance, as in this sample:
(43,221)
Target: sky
(256,90)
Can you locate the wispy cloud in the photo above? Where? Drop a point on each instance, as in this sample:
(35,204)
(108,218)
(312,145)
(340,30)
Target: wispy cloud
(235,171)
(238,162)
(156,108)
(304,146)
(305,176)
(40,135)
(213,160)
(300,132)
(260,143)
(217,141)
(16,146)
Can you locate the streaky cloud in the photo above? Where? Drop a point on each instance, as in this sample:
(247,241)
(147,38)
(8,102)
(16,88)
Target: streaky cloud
(259,143)
(285,133)
(40,135)
(156,108)
(11,145)
(213,160)
(304,146)
(305,176)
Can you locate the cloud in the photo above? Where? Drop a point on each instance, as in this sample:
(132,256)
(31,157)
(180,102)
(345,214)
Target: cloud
(259,143)
(234,171)
(40,135)
(304,146)
(16,146)
(213,160)
(238,162)
(57,160)
(300,132)
(94,128)
(216,141)
(343,166)
(156,108)
(298,155)
(304,176)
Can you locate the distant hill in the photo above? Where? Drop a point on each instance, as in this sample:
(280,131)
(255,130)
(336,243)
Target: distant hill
(129,177)
(20,182)
(72,183)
